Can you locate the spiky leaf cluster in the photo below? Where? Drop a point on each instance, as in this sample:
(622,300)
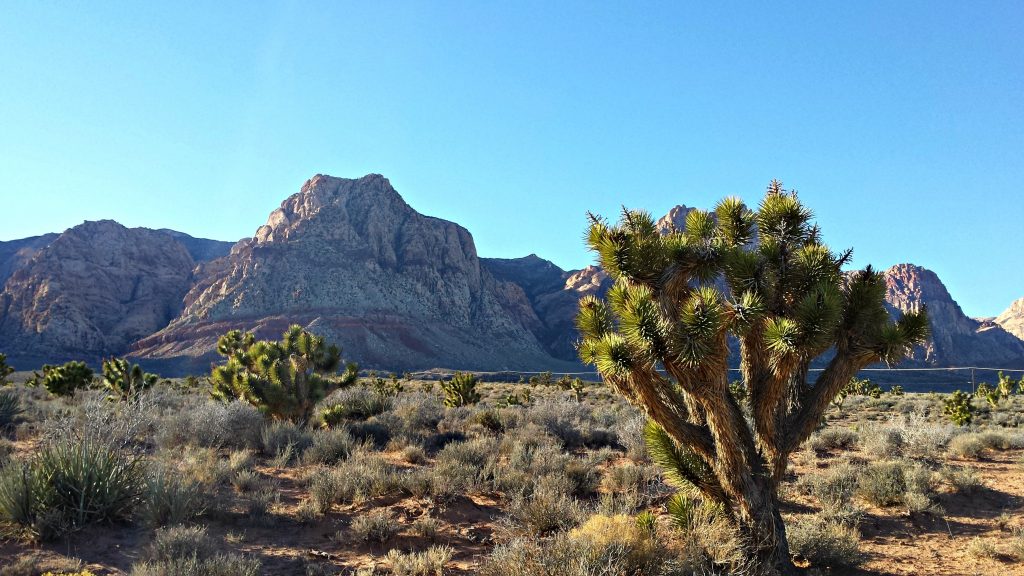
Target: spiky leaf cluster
(63,380)
(460,390)
(5,370)
(284,379)
(123,380)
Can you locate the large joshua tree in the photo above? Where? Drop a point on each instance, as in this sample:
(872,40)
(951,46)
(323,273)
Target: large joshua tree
(763,279)
(283,379)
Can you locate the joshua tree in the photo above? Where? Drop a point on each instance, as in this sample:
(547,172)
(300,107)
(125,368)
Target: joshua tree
(5,369)
(461,389)
(764,278)
(63,380)
(123,379)
(283,379)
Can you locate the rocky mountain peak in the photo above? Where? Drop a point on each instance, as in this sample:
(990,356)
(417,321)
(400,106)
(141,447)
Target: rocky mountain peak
(1012,319)
(675,219)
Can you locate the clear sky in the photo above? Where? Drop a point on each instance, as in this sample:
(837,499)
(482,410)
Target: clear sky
(900,123)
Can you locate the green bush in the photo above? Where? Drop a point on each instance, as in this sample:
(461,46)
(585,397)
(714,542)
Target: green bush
(63,380)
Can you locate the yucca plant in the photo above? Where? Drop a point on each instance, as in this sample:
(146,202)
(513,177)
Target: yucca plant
(765,278)
(10,409)
(63,380)
(284,379)
(460,390)
(124,380)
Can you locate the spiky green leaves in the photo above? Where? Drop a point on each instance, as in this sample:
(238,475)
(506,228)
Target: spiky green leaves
(634,249)
(697,335)
(683,469)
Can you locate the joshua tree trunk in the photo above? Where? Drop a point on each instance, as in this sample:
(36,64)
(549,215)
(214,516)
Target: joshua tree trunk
(662,340)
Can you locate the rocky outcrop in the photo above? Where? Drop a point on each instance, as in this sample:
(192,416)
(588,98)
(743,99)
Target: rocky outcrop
(349,259)
(554,295)
(16,253)
(956,340)
(91,291)
(200,249)
(1012,319)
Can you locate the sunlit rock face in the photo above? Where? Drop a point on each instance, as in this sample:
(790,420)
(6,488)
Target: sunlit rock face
(956,340)
(92,291)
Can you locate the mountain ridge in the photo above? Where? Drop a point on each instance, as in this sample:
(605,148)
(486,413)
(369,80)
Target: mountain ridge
(352,259)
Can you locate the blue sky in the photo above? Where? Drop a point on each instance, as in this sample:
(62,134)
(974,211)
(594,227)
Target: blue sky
(901,124)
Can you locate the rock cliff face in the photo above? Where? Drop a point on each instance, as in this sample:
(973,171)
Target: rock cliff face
(200,249)
(957,340)
(91,291)
(16,253)
(1012,319)
(351,260)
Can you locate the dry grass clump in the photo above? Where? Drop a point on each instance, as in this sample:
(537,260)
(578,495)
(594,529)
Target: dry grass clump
(374,526)
(189,551)
(834,439)
(825,543)
(430,562)
(973,445)
(962,479)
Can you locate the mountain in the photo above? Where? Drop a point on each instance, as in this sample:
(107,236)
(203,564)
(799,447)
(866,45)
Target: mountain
(16,253)
(349,259)
(1012,319)
(957,340)
(91,291)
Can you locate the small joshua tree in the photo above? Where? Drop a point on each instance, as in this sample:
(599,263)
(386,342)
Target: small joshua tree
(957,407)
(460,390)
(661,339)
(123,380)
(63,380)
(283,379)
(5,370)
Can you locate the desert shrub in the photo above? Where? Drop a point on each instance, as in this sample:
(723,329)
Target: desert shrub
(170,499)
(217,424)
(414,454)
(63,380)
(631,436)
(980,548)
(967,446)
(883,441)
(246,480)
(835,485)
(284,440)
(361,477)
(355,403)
(426,527)
(825,543)
(419,413)
(189,551)
(882,484)
(964,480)
(374,526)
(430,562)
(460,390)
(547,510)
(329,446)
(834,439)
